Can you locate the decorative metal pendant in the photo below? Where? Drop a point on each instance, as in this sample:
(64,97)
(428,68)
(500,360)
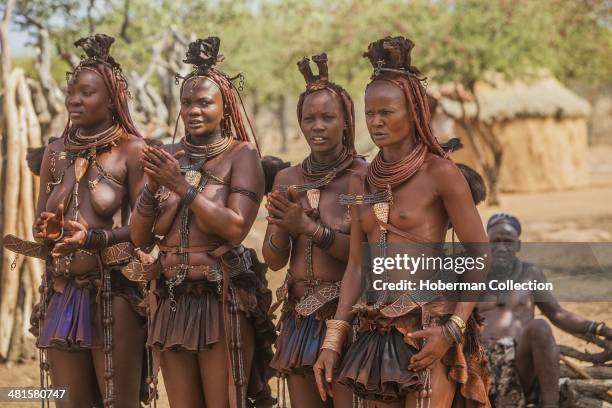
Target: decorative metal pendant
(81,164)
(381,211)
(193,177)
(313,195)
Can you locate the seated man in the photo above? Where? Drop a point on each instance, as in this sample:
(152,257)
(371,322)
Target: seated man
(521,349)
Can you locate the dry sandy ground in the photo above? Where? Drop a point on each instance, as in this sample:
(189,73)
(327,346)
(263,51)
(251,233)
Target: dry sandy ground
(577,215)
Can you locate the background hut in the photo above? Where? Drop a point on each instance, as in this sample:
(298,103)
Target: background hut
(540,127)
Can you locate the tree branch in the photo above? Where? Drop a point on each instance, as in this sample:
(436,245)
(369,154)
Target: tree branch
(595,358)
(126,22)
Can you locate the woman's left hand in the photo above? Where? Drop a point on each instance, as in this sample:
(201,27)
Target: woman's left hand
(73,240)
(289,215)
(436,346)
(163,168)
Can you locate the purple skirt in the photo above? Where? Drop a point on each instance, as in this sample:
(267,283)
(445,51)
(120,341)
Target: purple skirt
(71,319)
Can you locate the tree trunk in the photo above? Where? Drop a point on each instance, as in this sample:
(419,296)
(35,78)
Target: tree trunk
(596,389)
(255,110)
(282,124)
(54,97)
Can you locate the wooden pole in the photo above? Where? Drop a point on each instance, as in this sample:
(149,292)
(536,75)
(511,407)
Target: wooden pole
(9,282)
(29,184)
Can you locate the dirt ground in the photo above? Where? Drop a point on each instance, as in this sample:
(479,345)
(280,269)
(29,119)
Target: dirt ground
(582,215)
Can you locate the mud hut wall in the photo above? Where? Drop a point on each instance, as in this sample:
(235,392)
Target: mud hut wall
(540,153)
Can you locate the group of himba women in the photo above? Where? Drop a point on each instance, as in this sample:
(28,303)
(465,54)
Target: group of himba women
(142,244)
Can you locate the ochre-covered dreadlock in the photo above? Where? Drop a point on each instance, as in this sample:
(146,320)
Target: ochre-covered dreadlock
(391,60)
(203,54)
(322,82)
(98,60)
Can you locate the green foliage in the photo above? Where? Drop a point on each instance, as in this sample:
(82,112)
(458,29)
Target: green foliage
(456,40)
(28,64)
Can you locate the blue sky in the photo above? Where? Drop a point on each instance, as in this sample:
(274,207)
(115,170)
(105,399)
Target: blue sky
(17,41)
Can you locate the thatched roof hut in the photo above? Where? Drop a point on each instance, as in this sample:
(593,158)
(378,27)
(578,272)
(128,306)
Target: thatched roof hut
(541,125)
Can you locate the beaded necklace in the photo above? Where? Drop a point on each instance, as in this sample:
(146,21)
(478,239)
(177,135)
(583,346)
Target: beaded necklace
(196,155)
(321,175)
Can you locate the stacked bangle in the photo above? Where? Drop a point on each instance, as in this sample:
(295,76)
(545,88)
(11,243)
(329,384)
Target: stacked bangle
(277,249)
(337,331)
(147,203)
(96,239)
(454,329)
(323,236)
(459,322)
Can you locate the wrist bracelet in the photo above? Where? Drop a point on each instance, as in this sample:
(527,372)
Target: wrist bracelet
(459,322)
(96,239)
(326,240)
(315,231)
(592,327)
(337,331)
(147,190)
(451,330)
(147,204)
(277,249)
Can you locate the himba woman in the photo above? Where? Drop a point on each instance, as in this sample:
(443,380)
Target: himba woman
(411,349)
(91,327)
(308,228)
(201,197)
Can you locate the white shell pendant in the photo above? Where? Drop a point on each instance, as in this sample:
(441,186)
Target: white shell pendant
(313,195)
(193,177)
(381,211)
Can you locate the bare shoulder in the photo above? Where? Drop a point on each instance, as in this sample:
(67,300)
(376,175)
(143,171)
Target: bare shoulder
(133,144)
(289,175)
(245,150)
(533,272)
(359,165)
(171,148)
(357,181)
(441,168)
(56,145)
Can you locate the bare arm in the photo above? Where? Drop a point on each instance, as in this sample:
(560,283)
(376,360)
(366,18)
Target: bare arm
(290,219)
(141,226)
(277,259)
(232,222)
(350,291)
(43,217)
(340,247)
(463,215)
(351,287)
(562,318)
(135,181)
(45,177)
